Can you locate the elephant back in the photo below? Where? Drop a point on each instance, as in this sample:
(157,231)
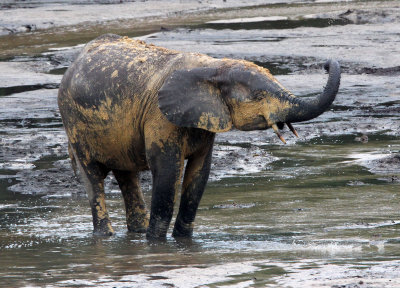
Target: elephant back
(111,69)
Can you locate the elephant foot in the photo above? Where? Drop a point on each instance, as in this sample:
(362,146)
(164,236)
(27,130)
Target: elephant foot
(104,228)
(137,229)
(182,229)
(157,230)
(138,224)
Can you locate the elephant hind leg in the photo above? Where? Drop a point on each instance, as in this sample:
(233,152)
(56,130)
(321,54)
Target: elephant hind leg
(137,217)
(92,174)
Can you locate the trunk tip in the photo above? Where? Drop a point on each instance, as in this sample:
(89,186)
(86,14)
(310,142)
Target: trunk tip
(331,63)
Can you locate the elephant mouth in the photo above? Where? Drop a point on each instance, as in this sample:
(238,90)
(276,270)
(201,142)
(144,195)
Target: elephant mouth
(261,123)
(257,123)
(279,126)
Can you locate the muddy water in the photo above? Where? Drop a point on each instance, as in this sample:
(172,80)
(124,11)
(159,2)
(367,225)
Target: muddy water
(321,211)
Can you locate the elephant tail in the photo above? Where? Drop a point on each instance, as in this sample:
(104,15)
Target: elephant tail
(74,164)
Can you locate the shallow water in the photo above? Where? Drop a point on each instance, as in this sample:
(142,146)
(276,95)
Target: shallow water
(322,210)
(303,209)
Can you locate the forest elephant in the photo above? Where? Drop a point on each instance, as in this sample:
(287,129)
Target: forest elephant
(128,106)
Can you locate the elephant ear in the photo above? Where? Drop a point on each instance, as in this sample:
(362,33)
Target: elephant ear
(191,98)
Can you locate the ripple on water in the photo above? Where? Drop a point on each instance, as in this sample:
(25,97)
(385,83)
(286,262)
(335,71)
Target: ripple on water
(318,247)
(181,277)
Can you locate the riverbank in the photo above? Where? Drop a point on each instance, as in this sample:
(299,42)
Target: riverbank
(31,28)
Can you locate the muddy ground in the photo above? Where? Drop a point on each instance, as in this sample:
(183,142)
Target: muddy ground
(293,40)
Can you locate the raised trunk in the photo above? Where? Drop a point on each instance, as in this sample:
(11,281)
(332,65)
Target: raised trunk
(306,109)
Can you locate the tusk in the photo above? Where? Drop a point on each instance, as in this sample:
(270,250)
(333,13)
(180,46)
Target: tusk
(277,133)
(292,129)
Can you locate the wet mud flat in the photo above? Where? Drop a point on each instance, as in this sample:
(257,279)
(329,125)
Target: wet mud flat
(321,211)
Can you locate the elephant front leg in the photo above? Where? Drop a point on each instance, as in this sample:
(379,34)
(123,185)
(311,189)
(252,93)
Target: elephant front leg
(166,164)
(194,182)
(137,217)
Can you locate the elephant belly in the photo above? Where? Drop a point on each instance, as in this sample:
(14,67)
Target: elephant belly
(112,140)
(115,152)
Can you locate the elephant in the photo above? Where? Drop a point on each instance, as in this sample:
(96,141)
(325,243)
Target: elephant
(128,106)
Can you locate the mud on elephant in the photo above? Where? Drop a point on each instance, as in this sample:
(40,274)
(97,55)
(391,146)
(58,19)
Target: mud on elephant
(128,106)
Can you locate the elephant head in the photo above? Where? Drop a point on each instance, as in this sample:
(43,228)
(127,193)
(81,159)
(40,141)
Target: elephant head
(241,94)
